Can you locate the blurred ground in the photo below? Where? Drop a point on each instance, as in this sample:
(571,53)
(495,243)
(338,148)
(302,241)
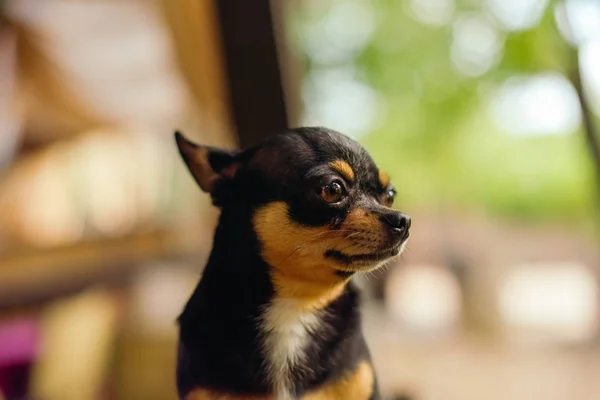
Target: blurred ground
(467,367)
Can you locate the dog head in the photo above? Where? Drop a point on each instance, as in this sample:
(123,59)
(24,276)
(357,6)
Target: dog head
(318,204)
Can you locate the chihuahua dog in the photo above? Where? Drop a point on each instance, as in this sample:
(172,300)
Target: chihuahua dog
(275,314)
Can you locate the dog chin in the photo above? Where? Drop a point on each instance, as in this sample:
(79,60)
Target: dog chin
(399,251)
(365,262)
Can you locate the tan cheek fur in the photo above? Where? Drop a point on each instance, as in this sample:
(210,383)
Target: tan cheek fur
(369,226)
(296,253)
(355,386)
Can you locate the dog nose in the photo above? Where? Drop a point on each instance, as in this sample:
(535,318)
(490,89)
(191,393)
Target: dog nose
(399,222)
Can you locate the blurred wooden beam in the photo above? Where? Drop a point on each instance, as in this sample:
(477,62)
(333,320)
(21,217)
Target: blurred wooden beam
(35,276)
(193,25)
(289,61)
(253,70)
(42,88)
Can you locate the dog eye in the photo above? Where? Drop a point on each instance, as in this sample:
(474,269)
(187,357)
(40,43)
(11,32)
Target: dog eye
(390,195)
(333,192)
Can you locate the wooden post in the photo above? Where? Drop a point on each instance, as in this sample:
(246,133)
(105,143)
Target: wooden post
(253,71)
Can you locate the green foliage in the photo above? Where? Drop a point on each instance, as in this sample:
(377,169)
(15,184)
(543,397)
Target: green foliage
(436,140)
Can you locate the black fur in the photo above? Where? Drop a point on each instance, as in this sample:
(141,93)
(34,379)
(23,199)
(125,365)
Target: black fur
(220,342)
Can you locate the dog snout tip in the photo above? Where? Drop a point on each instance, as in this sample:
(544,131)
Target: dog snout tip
(398,223)
(407,221)
(397,220)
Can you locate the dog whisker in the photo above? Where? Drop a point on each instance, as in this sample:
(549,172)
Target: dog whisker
(318,236)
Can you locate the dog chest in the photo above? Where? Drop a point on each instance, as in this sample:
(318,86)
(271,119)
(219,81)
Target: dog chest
(287,328)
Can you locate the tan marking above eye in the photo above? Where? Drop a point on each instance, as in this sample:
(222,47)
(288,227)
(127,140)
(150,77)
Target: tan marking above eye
(384,179)
(344,169)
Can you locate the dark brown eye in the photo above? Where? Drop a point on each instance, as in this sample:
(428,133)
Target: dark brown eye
(389,197)
(333,192)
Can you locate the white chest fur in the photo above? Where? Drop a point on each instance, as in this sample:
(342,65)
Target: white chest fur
(286,326)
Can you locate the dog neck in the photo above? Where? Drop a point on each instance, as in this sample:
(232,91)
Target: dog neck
(273,316)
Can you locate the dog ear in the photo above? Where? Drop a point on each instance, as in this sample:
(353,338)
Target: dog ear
(208,165)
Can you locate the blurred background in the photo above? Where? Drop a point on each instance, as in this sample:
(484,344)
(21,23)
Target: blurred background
(484,112)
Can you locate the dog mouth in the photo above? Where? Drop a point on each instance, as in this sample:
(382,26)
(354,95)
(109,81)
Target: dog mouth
(365,259)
